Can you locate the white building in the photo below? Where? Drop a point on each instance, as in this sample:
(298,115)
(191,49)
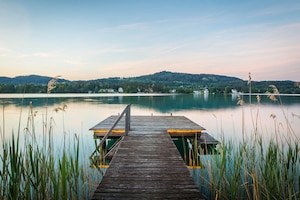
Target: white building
(120,90)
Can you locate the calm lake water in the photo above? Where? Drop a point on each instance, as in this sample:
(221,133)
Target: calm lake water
(219,114)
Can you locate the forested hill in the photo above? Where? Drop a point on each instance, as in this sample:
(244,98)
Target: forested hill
(164,77)
(159,82)
(30,79)
(171,78)
(216,83)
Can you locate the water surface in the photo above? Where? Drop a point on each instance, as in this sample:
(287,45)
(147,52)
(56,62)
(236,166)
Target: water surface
(219,114)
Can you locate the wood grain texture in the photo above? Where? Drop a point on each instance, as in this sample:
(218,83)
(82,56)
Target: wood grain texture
(147,166)
(156,123)
(176,126)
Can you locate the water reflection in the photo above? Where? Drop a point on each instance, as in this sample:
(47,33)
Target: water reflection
(205,95)
(219,114)
(160,103)
(234,97)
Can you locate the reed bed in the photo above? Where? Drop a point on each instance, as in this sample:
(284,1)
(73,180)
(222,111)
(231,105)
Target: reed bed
(31,173)
(32,170)
(251,169)
(254,168)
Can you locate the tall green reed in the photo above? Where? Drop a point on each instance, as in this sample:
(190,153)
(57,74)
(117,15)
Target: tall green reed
(255,168)
(32,170)
(268,172)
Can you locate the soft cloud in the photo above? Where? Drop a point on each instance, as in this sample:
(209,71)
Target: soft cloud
(123,27)
(44,54)
(283,8)
(75,62)
(230,39)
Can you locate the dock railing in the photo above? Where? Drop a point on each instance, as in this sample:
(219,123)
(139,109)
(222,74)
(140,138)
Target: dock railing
(125,112)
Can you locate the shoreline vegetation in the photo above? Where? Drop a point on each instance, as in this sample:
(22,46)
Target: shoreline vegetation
(161,82)
(65,95)
(251,169)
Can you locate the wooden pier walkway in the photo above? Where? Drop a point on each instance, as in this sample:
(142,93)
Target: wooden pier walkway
(147,166)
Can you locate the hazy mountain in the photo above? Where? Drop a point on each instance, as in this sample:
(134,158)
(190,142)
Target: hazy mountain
(30,79)
(163,77)
(166,77)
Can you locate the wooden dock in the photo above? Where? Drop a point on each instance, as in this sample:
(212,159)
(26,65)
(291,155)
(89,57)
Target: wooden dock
(147,164)
(176,126)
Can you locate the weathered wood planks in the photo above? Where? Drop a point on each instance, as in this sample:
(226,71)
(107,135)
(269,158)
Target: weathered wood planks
(173,124)
(176,126)
(147,166)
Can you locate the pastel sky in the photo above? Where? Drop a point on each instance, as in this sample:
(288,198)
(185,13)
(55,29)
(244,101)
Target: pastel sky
(82,40)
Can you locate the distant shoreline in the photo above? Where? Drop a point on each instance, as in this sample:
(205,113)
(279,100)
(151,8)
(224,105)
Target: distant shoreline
(265,94)
(62,95)
(74,95)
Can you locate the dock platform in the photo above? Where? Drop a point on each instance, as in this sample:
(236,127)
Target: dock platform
(147,163)
(174,125)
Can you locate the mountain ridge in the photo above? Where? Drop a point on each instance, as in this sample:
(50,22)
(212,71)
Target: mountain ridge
(162,81)
(28,79)
(39,79)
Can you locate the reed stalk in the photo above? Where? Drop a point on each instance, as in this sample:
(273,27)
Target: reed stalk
(32,171)
(3,123)
(255,168)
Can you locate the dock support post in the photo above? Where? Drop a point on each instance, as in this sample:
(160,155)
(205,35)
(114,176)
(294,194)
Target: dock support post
(127,120)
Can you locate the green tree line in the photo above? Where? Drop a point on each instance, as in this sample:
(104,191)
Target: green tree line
(161,82)
(134,87)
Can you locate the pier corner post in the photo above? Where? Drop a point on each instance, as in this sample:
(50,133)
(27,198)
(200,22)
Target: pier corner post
(127,120)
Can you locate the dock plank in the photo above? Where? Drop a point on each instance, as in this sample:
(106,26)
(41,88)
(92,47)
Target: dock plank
(148,123)
(147,166)
(176,126)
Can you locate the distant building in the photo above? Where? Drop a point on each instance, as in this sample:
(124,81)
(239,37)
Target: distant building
(107,90)
(234,91)
(206,91)
(110,90)
(120,90)
(149,90)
